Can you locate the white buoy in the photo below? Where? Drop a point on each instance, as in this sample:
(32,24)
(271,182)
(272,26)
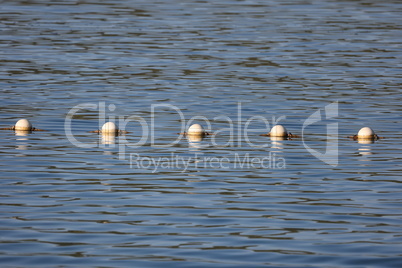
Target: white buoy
(196,129)
(23,124)
(278,131)
(365,133)
(109,127)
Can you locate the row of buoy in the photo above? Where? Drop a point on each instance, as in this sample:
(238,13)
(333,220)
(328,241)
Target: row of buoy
(110,128)
(280,131)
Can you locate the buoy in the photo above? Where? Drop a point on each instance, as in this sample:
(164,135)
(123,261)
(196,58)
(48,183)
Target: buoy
(23,124)
(278,131)
(109,127)
(196,129)
(366,133)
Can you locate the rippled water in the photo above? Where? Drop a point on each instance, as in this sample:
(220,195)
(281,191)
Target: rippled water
(109,205)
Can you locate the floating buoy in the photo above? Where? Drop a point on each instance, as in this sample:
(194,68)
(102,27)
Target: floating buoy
(365,133)
(109,127)
(195,130)
(23,124)
(280,131)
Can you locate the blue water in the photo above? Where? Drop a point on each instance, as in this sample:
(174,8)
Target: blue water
(234,199)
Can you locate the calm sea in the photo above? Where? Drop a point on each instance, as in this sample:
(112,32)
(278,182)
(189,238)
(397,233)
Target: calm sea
(323,69)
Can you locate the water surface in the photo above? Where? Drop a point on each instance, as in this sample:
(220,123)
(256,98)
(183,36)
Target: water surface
(109,205)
